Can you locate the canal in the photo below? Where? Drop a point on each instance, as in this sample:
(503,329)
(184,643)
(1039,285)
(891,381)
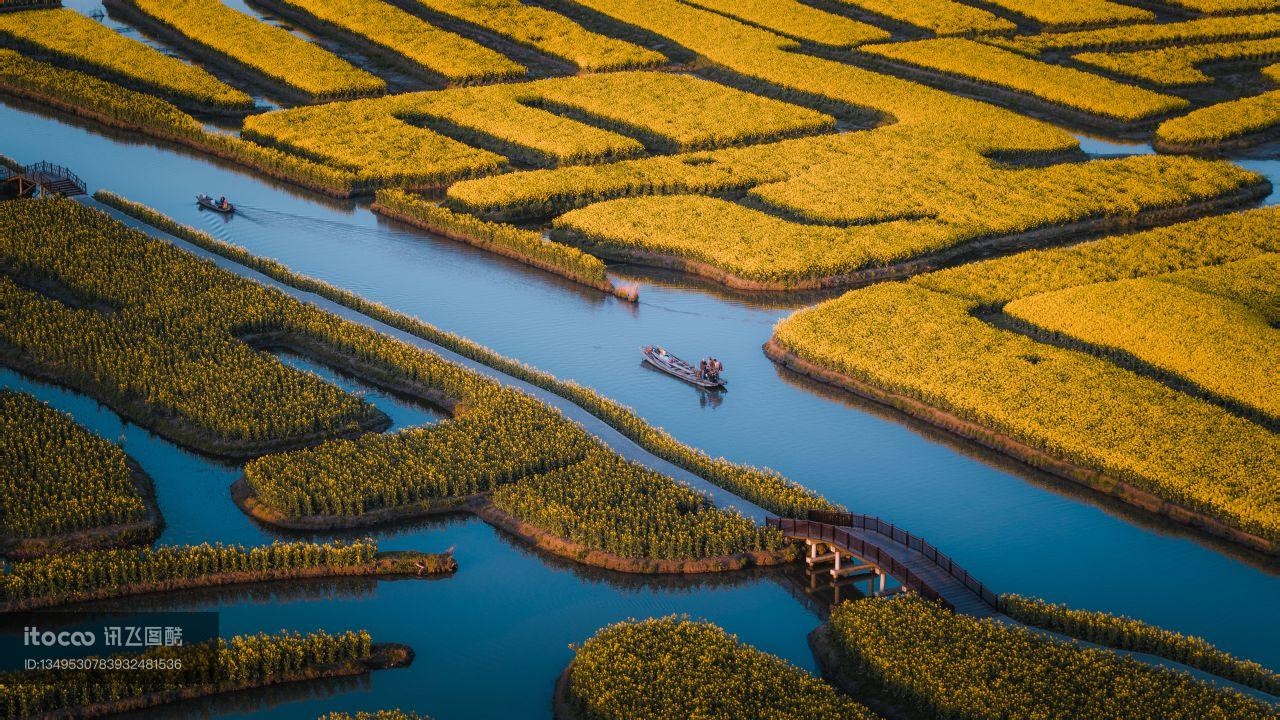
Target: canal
(491,640)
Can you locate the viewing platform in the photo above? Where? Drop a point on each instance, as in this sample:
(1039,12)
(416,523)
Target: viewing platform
(866,545)
(44,178)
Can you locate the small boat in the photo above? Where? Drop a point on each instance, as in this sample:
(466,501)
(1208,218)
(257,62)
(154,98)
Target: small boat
(208,202)
(672,365)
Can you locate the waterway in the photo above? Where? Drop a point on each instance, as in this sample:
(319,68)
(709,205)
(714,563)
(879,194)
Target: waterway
(491,640)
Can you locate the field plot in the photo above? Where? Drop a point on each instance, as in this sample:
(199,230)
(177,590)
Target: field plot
(537,123)
(1065,87)
(1061,14)
(170,361)
(288,63)
(1232,124)
(796,20)
(1211,7)
(1179,65)
(75,40)
(390,31)
(1153,35)
(941,664)
(942,17)
(63,486)
(547,32)
(945,348)
(665,668)
(834,210)
(1207,340)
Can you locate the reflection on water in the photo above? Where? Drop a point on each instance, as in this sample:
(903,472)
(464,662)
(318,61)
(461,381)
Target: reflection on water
(510,612)
(507,616)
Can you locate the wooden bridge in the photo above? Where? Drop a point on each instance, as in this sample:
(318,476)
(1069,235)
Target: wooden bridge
(865,545)
(47,178)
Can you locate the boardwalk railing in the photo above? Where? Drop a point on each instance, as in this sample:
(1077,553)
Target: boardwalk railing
(840,537)
(915,542)
(46,174)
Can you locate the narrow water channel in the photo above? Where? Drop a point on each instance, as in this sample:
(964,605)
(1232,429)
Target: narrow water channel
(491,640)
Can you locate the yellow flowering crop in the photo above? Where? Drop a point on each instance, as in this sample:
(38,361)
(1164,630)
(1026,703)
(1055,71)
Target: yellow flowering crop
(945,665)
(799,21)
(443,54)
(78,41)
(922,340)
(884,207)
(528,122)
(1075,13)
(1061,85)
(1209,341)
(1178,65)
(549,32)
(942,17)
(675,669)
(275,53)
(1133,37)
(56,476)
(1211,7)
(1128,634)
(1246,121)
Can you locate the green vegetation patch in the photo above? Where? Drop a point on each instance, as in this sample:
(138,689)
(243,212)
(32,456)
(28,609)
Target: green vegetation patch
(1128,634)
(943,665)
(58,478)
(676,669)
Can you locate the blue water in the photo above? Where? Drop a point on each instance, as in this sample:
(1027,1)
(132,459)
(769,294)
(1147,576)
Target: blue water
(489,640)
(492,639)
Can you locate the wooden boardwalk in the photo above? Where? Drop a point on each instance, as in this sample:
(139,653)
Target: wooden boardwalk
(896,553)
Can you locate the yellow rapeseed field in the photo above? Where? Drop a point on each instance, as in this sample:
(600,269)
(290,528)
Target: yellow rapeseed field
(58,477)
(1063,86)
(945,665)
(275,53)
(1210,7)
(1178,65)
(1246,121)
(530,122)
(1209,341)
(676,669)
(797,20)
(1075,13)
(443,54)
(549,32)
(80,42)
(923,340)
(1152,35)
(942,17)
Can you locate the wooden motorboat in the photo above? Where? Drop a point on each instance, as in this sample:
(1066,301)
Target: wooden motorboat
(208,202)
(672,365)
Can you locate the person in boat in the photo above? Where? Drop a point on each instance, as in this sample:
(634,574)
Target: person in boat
(702,368)
(222,202)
